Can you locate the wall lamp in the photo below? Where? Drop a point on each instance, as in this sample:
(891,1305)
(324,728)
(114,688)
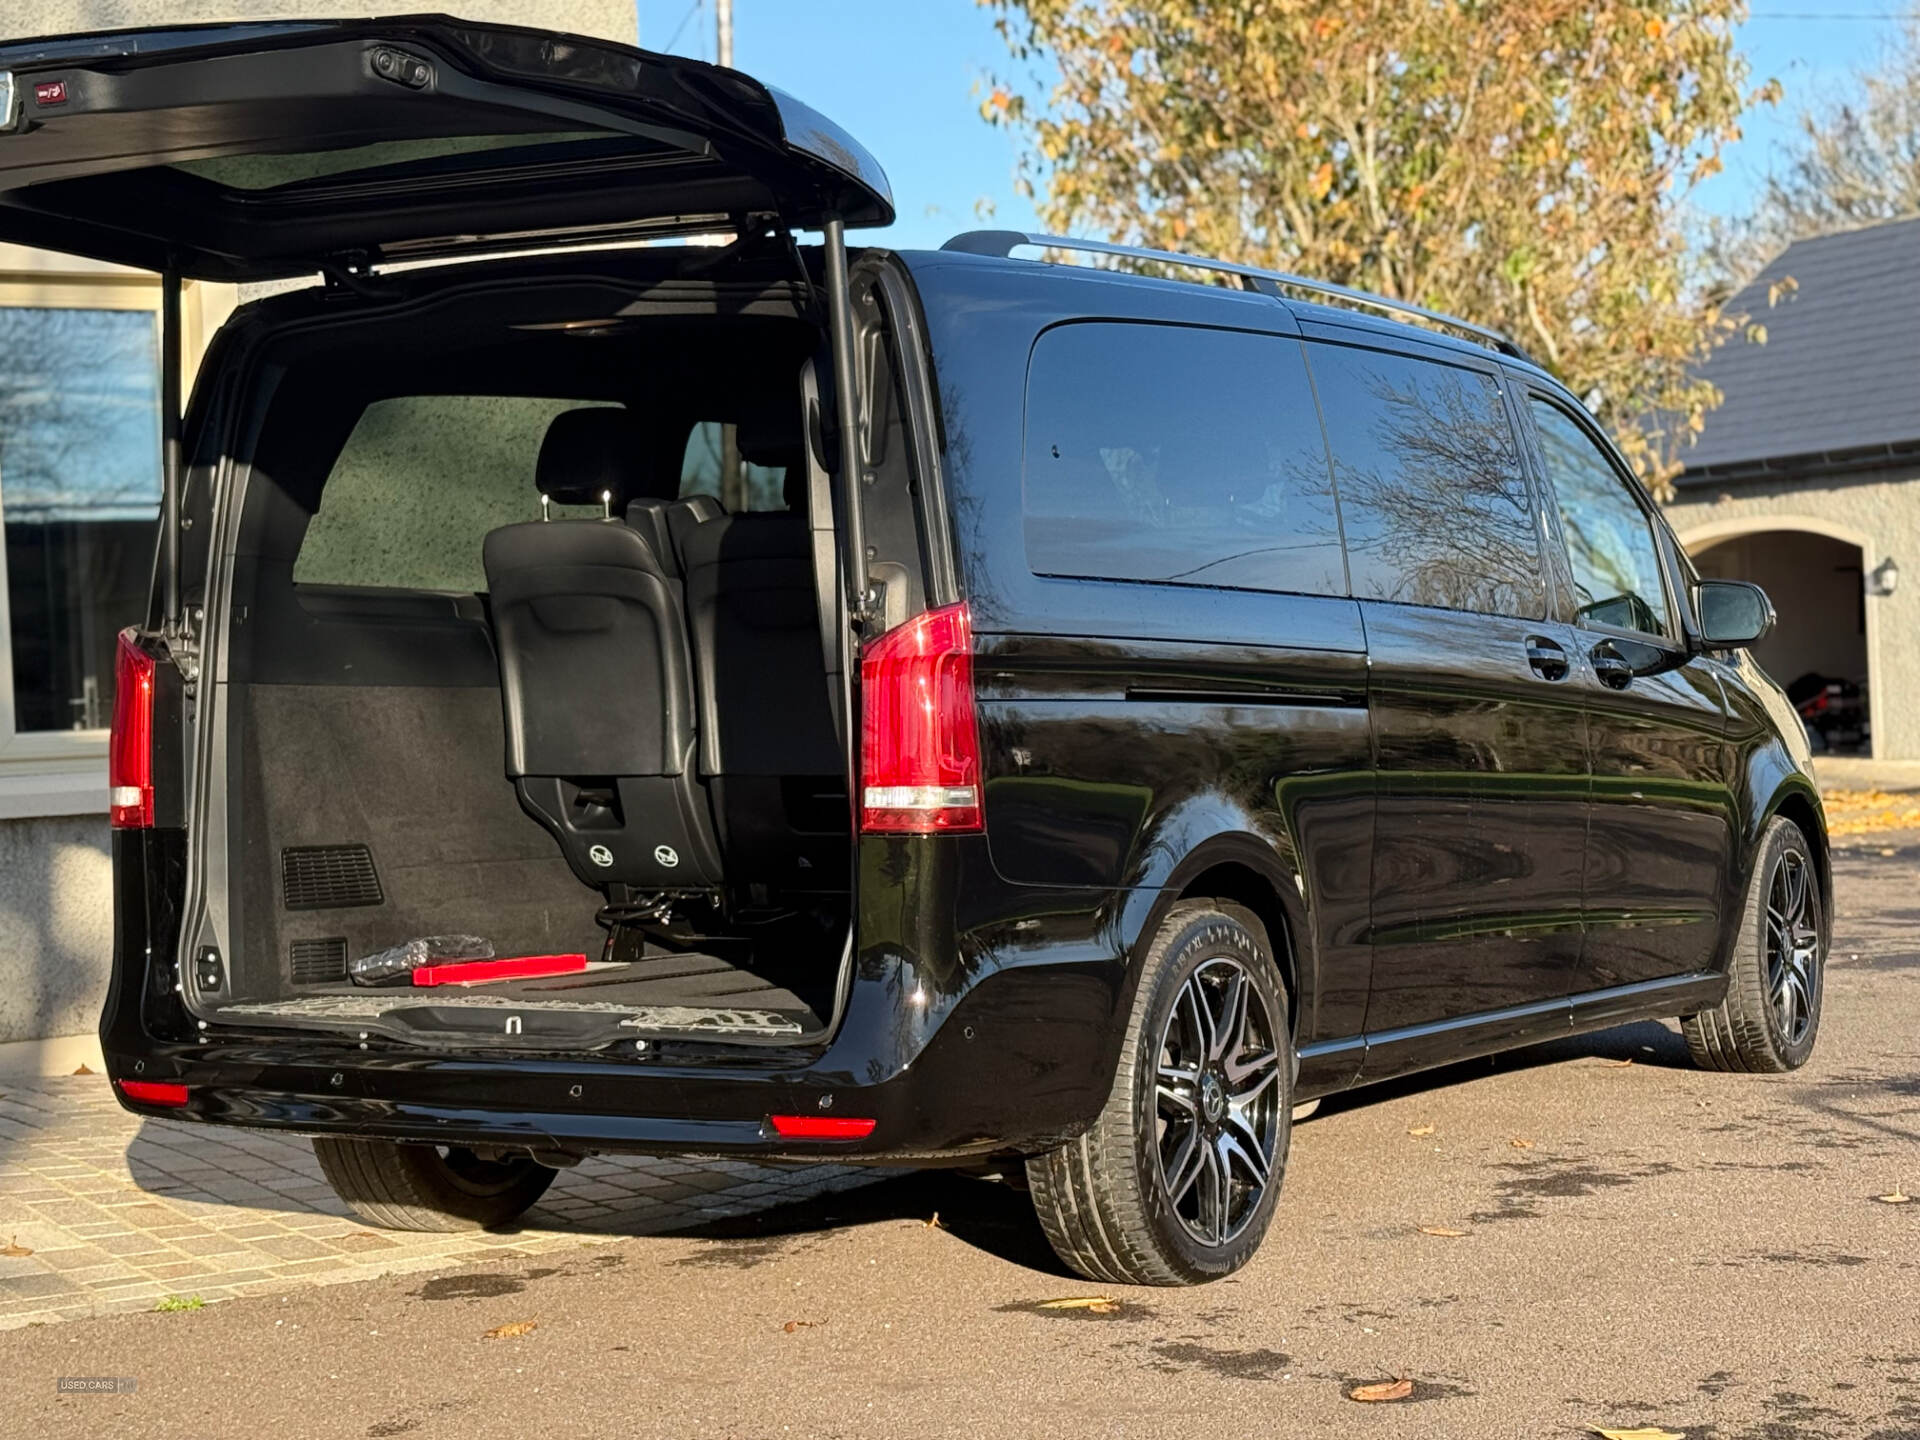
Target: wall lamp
(1884,578)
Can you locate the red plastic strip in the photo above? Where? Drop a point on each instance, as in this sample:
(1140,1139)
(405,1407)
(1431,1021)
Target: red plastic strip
(821,1127)
(519,967)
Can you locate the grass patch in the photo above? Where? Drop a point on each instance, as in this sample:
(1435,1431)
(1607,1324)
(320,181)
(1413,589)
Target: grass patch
(180,1302)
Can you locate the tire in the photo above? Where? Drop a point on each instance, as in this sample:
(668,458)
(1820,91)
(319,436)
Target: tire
(1104,1200)
(426,1187)
(1771,1015)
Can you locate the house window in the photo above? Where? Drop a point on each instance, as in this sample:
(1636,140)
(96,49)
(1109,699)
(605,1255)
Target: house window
(79,498)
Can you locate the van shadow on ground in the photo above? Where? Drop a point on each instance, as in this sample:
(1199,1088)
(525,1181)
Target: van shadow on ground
(753,1209)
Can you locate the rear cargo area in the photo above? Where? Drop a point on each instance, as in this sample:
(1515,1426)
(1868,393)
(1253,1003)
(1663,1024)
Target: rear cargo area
(372,783)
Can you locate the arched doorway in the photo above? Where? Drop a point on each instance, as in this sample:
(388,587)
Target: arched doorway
(1820,649)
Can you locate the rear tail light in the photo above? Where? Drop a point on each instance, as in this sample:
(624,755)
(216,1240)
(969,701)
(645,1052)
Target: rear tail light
(130,750)
(919,735)
(821,1127)
(154,1092)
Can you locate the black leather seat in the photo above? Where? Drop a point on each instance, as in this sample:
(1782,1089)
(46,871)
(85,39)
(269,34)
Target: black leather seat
(596,677)
(769,749)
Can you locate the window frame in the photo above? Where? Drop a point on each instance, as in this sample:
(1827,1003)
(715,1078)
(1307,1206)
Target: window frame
(1567,600)
(63,772)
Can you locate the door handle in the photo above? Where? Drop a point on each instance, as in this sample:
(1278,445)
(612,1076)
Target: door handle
(1548,660)
(1611,666)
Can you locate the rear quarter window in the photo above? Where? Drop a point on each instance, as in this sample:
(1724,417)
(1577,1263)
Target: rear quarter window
(1179,455)
(1435,502)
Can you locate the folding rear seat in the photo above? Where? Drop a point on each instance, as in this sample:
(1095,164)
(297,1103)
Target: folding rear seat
(596,677)
(769,748)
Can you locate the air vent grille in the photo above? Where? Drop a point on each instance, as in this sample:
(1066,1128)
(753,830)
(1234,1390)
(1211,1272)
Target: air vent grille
(318,962)
(329,877)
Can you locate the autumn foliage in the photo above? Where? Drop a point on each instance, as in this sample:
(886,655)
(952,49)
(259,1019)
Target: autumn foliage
(1521,163)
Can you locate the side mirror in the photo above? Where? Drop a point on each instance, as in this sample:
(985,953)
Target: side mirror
(1733,613)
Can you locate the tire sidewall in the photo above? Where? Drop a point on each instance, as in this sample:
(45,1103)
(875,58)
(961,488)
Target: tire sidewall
(1195,938)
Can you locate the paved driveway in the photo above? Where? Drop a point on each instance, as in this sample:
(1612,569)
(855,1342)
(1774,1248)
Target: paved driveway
(1644,1245)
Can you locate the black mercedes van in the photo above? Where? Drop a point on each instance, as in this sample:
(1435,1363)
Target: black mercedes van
(948,707)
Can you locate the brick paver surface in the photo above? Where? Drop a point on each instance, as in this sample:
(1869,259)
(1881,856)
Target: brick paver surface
(102,1210)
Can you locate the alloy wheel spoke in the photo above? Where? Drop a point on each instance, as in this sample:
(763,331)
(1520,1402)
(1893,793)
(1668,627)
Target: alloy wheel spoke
(1217,1195)
(1248,1078)
(1199,1016)
(1187,1163)
(1251,1160)
(1180,1099)
(1233,1017)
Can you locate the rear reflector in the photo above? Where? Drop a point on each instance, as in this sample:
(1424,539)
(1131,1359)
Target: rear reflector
(919,734)
(130,744)
(821,1127)
(154,1092)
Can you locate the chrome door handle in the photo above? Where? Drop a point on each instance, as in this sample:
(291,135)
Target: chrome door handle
(1612,668)
(1548,660)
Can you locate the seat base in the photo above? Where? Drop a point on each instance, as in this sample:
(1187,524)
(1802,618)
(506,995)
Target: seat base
(638,831)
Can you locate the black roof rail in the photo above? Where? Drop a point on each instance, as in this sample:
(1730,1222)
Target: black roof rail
(1002,244)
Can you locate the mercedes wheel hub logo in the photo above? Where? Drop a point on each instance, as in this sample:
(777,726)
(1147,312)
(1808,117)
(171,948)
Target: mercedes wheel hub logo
(1213,1099)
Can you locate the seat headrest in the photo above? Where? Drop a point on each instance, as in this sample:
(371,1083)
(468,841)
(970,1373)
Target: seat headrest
(597,450)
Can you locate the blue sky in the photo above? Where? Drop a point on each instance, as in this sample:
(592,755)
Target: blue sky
(902,76)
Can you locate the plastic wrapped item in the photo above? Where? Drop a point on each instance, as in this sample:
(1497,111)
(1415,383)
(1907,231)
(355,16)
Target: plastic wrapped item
(396,964)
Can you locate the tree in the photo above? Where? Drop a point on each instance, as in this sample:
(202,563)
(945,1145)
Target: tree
(1521,163)
(1855,161)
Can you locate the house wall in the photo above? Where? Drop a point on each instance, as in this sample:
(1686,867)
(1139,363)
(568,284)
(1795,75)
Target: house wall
(1877,510)
(56,908)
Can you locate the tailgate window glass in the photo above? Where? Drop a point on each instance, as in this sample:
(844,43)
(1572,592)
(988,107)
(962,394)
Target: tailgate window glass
(1180,455)
(367,162)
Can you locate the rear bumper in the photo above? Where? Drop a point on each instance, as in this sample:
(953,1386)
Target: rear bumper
(963,1034)
(1010,1066)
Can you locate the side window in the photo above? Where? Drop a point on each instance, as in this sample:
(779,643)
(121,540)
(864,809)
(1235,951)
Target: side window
(417,486)
(1610,544)
(714,465)
(1180,455)
(1435,502)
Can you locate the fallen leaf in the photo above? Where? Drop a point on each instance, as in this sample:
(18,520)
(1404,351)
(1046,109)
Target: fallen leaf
(1898,1197)
(1098,1304)
(1520,1144)
(936,1223)
(512,1330)
(793,1325)
(1420,1131)
(1620,1064)
(1442,1231)
(13,1249)
(1645,1432)
(83,1070)
(1385,1390)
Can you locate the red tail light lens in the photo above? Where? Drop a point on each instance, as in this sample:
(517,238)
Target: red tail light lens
(919,736)
(130,750)
(821,1127)
(154,1092)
